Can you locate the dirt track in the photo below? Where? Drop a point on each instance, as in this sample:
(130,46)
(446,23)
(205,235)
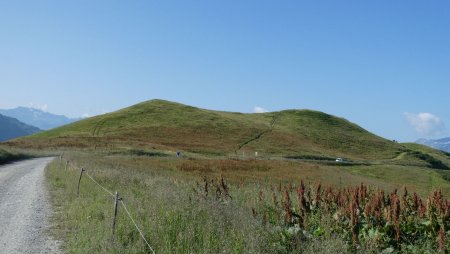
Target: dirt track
(25,208)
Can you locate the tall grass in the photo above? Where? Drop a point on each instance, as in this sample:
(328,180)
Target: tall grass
(174,219)
(184,208)
(7,155)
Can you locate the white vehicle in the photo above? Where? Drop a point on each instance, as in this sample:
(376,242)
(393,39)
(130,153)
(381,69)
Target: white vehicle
(339,160)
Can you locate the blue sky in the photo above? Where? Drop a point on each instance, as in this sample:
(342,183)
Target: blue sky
(384,65)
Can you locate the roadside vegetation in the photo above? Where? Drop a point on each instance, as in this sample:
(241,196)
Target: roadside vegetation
(197,204)
(7,155)
(10,154)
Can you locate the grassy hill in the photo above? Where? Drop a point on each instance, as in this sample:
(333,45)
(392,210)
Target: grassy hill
(131,151)
(159,124)
(160,127)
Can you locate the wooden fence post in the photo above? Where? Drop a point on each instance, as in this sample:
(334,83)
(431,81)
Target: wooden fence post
(79,181)
(116,200)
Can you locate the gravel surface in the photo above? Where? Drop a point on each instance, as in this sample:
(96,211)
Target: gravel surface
(25,208)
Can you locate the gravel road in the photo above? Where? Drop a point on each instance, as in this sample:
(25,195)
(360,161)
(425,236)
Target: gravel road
(25,208)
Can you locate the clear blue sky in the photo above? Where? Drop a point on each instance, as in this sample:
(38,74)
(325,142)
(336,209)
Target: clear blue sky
(377,63)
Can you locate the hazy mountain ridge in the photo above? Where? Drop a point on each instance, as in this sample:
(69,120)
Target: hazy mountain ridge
(441,144)
(35,117)
(12,128)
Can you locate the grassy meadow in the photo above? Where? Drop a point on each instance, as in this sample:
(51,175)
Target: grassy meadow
(246,183)
(183,206)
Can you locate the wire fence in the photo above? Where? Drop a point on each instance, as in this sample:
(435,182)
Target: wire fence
(72,165)
(106,190)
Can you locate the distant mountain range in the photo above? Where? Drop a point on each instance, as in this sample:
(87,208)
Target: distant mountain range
(35,117)
(441,144)
(12,128)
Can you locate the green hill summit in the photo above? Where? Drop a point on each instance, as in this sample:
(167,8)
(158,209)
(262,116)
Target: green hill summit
(169,125)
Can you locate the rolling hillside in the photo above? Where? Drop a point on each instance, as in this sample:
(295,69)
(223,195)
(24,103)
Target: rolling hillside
(294,146)
(292,140)
(12,128)
(167,125)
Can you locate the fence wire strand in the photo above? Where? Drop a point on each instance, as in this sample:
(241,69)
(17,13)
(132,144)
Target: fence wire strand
(90,177)
(138,229)
(121,201)
(106,190)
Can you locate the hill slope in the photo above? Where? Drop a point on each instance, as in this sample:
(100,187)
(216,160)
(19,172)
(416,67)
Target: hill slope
(38,118)
(168,125)
(12,128)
